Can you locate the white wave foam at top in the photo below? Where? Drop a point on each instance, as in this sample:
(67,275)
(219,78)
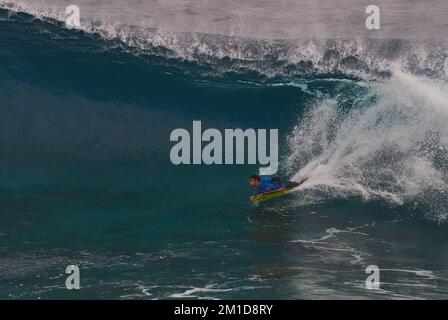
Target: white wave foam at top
(265,19)
(138,25)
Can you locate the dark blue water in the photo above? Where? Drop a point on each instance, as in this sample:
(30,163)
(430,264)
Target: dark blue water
(86,179)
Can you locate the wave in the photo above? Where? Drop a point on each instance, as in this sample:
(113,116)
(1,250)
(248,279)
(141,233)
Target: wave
(378,132)
(221,55)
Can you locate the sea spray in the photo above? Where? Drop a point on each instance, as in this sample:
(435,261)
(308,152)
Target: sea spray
(392,146)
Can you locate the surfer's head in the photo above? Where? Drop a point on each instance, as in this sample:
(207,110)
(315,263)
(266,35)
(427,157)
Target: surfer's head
(254,180)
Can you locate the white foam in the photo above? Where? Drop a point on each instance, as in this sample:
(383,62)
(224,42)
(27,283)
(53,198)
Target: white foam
(191,293)
(390,149)
(360,57)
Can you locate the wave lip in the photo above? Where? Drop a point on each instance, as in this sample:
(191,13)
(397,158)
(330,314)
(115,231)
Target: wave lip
(272,58)
(263,19)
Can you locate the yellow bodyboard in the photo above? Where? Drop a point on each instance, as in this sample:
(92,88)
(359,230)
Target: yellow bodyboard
(274,194)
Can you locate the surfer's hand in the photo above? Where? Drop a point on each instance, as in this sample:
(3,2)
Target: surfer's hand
(252,198)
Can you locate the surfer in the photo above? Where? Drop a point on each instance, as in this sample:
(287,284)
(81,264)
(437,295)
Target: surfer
(265,183)
(268,185)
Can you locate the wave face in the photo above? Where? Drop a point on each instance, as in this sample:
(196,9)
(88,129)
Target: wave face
(85,175)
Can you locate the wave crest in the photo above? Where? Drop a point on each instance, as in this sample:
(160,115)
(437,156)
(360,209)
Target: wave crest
(365,58)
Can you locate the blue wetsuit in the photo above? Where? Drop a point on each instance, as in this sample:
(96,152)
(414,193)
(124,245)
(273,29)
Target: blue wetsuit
(267,184)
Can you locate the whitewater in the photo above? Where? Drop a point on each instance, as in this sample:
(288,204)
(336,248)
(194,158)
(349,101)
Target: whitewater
(395,149)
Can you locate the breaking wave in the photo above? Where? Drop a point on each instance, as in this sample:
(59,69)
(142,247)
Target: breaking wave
(220,55)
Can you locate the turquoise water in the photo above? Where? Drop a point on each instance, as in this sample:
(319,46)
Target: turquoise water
(85,175)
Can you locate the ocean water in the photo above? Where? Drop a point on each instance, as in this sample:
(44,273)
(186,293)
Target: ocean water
(86,179)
